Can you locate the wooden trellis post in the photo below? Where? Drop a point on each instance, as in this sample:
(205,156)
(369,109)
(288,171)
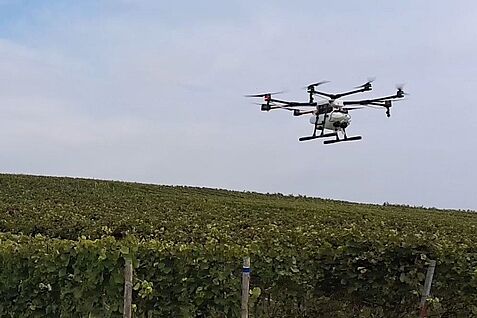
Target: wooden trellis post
(245,286)
(128,274)
(427,289)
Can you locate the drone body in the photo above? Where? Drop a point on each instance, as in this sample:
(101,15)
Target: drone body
(335,119)
(330,114)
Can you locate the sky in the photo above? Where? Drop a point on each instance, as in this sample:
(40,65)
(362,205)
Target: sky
(152,91)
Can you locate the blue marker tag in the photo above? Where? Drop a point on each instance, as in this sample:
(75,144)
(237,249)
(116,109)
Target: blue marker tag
(246,270)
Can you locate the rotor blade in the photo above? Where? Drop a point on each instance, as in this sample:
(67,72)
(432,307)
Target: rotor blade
(260,104)
(400,87)
(370,80)
(317,84)
(264,94)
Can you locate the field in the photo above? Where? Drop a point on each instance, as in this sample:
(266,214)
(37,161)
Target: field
(63,243)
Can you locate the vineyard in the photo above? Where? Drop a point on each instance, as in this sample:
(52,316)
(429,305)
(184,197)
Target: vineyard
(63,243)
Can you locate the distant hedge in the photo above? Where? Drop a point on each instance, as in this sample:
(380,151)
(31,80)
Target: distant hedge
(70,208)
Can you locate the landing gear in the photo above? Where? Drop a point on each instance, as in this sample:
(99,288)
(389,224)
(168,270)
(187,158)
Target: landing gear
(334,134)
(332,141)
(318,126)
(345,138)
(315,136)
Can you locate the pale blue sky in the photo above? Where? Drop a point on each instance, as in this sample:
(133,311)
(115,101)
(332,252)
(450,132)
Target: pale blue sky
(151,91)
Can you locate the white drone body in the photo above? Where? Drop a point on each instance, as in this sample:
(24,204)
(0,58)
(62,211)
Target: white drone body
(337,120)
(334,118)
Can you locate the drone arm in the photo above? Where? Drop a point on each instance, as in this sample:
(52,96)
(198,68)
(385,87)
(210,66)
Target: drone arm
(298,112)
(361,90)
(381,103)
(279,101)
(357,102)
(386,104)
(292,104)
(383,99)
(336,96)
(332,96)
(358,89)
(370,101)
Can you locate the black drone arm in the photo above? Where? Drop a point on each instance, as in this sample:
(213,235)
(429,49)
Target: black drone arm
(382,102)
(360,89)
(292,104)
(371,101)
(331,96)
(336,96)
(298,112)
(386,103)
(352,92)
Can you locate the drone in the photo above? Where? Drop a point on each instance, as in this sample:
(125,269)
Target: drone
(330,113)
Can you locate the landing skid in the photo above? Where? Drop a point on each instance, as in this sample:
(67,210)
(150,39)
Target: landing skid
(318,136)
(322,125)
(332,141)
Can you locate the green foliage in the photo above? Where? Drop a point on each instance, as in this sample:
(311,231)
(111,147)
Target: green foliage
(41,277)
(64,243)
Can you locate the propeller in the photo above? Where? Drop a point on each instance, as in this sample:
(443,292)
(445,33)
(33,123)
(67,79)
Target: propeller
(311,89)
(264,94)
(367,85)
(316,84)
(400,92)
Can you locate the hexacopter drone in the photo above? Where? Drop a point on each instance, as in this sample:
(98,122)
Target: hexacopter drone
(330,113)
